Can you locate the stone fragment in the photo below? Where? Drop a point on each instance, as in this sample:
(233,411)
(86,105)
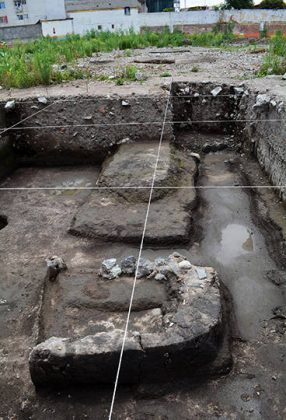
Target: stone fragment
(216,91)
(145,268)
(110,269)
(10,105)
(43,100)
(262,101)
(160,277)
(159,262)
(185,265)
(55,265)
(125,103)
(284,76)
(201,272)
(128,265)
(239,90)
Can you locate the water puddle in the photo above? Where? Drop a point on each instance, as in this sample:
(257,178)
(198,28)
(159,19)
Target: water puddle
(236,240)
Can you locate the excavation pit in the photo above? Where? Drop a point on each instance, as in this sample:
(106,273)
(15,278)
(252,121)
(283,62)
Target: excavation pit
(68,322)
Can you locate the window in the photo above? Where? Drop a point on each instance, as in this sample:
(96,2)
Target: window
(22,17)
(99,27)
(2,5)
(112,26)
(3,19)
(127,11)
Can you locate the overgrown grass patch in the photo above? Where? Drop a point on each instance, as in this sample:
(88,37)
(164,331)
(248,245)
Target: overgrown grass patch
(275,60)
(31,64)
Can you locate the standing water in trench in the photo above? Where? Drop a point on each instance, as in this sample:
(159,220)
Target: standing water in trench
(233,244)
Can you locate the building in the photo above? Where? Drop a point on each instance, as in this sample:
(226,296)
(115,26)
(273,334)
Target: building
(104,15)
(29,12)
(159,5)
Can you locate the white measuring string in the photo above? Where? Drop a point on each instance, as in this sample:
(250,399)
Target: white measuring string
(137,265)
(139,123)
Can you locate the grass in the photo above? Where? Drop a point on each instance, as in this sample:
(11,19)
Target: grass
(275,60)
(31,64)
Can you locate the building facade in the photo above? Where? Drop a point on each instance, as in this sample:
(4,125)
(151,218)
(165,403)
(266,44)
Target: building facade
(29,12)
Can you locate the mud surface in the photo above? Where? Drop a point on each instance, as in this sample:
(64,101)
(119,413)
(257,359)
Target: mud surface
(230,236)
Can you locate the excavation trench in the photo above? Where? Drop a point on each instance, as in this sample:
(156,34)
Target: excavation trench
(219,142)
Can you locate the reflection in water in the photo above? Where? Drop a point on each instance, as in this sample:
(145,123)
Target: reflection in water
(236,240)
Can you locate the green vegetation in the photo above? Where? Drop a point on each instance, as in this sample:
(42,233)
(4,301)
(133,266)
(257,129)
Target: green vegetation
(239,4)
(166,74)
(275,60)
(125,74)
(35,63)
(272,4)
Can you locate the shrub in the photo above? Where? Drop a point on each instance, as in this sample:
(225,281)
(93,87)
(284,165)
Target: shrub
(272,4)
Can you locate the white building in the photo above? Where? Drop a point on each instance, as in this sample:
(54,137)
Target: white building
(28,12)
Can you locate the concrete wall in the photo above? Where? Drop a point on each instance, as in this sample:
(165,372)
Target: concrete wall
(105,20)
(57,28)
(24,32)
(204,20)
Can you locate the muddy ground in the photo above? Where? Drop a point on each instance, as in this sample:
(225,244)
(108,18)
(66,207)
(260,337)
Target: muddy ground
(239,231)
(229,234)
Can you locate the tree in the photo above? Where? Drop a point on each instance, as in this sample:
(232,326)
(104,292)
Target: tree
(272,4)
(239,4)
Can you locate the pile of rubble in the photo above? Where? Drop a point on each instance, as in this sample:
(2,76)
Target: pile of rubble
(162,269)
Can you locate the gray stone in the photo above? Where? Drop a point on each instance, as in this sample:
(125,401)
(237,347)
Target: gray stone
(128,265)
(145,268)
(108,264)
(262,101)
(185,265)
(10,105)
(125,103)
(160,277)
(159,261)
(110,269)
(216,91)
(55,265)
(43,100)
(201,272)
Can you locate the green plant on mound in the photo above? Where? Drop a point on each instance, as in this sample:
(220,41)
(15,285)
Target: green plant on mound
(275,60)
(32,63)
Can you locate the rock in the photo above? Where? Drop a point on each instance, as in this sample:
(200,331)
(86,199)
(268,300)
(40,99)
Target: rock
(159,262)
(42,100)
(216,91)
(185,265)
(128,265)
(284,76)
(160,277)
(201,272)
(145,268)
(196,156)
(262,101)
(110,269)
(10,105)
(55,266)
(239,90)
(125,103)
(87,117)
